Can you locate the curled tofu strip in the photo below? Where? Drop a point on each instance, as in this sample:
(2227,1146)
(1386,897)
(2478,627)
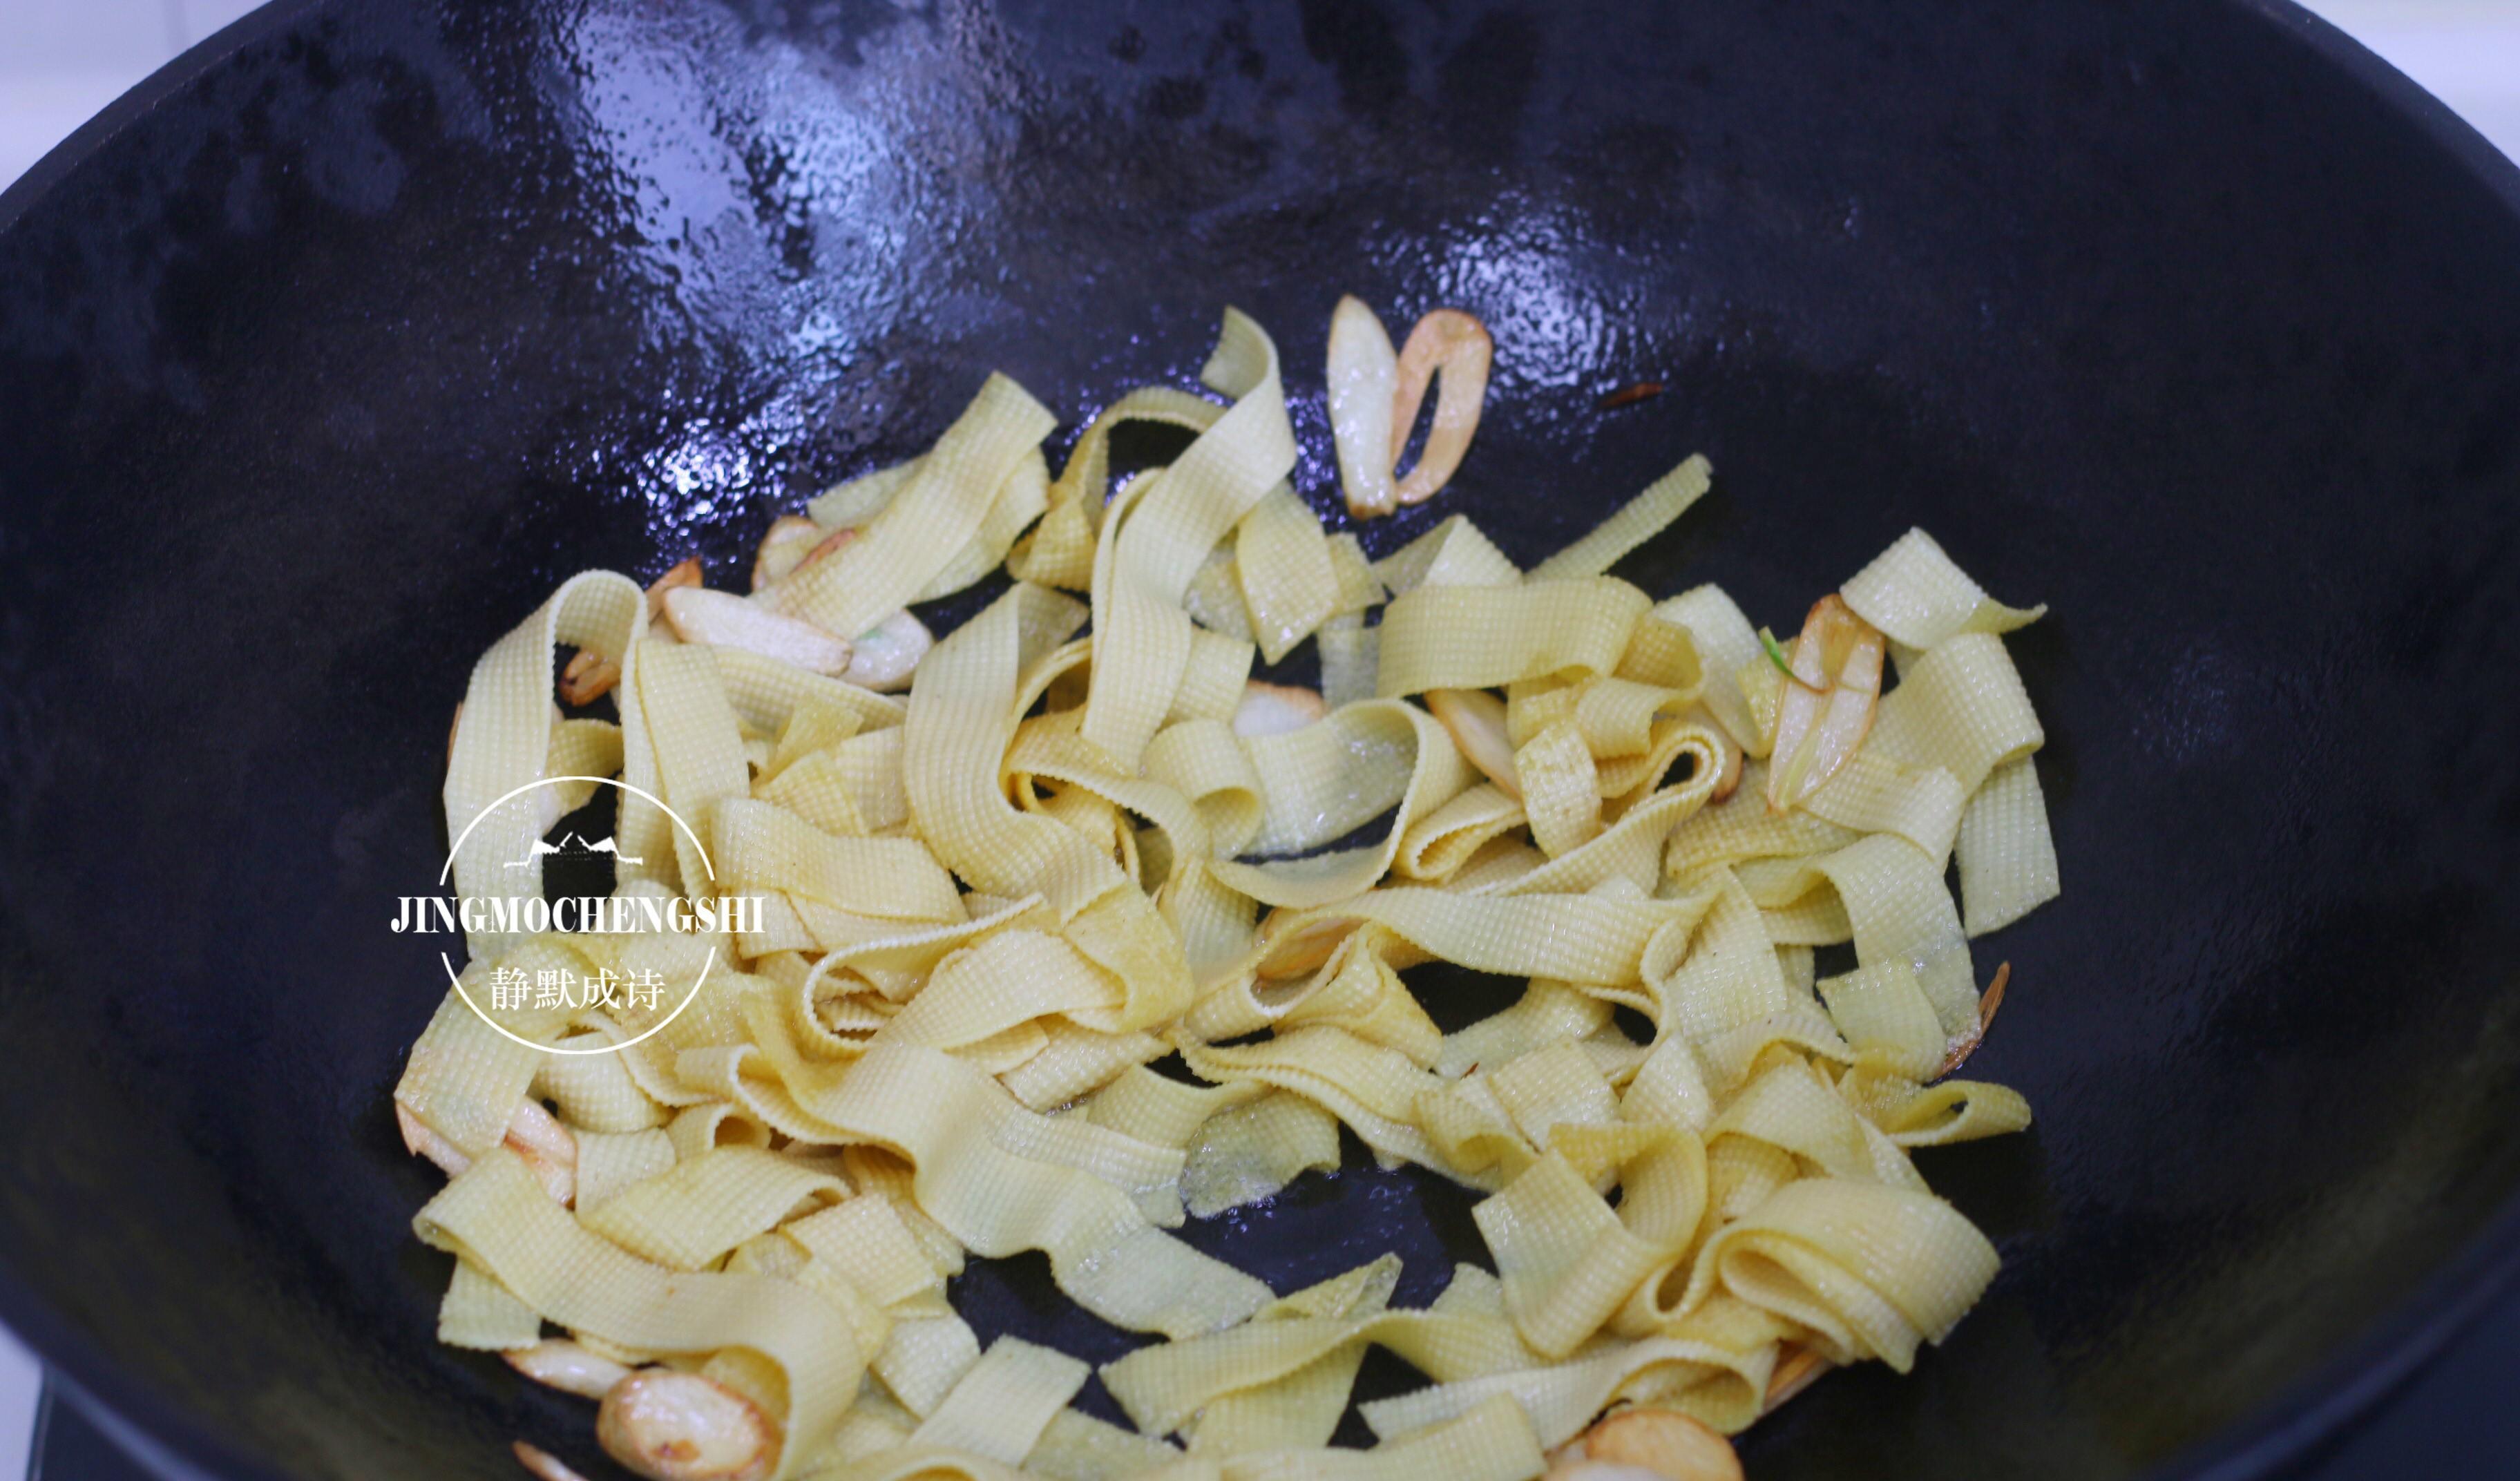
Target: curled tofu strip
(1301,950)
(1275,709)
(723,619)
(590,676)
(1727,775)
(566,1366)
(420,1142)
(1643,1443)
(550,1149)
(675,1426)
(1374,393)
(1827,708)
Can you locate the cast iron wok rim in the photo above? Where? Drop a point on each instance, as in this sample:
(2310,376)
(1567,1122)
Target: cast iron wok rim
(2370,1366)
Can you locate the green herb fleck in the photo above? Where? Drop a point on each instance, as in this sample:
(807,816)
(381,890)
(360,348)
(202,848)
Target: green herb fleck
(1776,652)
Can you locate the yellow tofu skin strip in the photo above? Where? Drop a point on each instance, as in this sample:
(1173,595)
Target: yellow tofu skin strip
(1079,934)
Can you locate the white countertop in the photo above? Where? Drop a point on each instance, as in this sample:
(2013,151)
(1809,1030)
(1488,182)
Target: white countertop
(22,1384)
(61,61)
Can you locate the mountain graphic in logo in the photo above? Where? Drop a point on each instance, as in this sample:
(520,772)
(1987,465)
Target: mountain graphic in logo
(572,847)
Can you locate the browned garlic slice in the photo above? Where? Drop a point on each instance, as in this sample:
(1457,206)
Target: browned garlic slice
(1477,721)
(1648,1445)
(1976,1034)
(886,658)
(1375,393)
(789,539)
(683,574)
(1364,383)
(1457,344)
(1275,710)
(723,619)
(558,1363)
(675,1426)
(834,541)
(588,677)
(1826,707)
(1797,1368)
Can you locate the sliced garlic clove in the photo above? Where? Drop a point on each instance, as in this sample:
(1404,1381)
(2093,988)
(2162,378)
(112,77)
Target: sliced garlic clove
(1477,721)
(886,658)
(1763,692)
(722,620)
(588,677)
(1842,727)
(1827,708)
(1967,1041)
(1364,383)
(832,543)
(784,547)
(675,1426)
(682,576)
(1457,344)
(1798,712)
(1275,710)
(1841,636)
(1797,1370)
(545,1465)
(557,1363)
(1662,1443)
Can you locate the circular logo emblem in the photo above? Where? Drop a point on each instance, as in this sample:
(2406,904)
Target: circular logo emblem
(509,904)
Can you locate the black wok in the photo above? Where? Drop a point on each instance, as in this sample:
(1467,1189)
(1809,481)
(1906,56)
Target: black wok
(327,353)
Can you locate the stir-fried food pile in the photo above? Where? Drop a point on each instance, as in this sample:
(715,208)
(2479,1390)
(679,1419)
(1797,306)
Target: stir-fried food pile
(1058,940)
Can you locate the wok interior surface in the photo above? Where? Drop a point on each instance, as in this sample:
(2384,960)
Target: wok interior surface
(317,373)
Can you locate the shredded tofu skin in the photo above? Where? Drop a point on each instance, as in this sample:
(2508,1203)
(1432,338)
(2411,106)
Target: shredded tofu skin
(1006,871)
